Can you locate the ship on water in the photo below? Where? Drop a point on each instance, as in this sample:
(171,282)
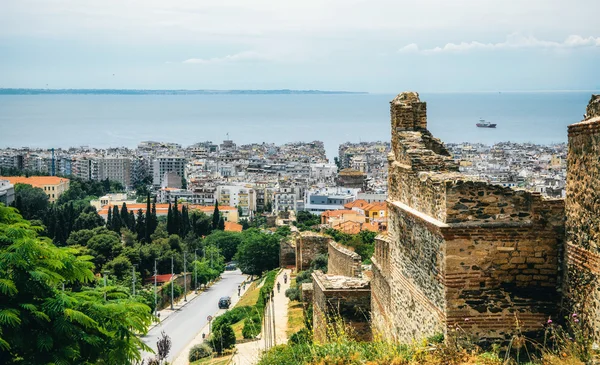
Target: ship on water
(483,124)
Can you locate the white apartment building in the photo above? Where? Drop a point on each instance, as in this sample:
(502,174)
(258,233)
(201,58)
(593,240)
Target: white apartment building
(286,198)
(242,196)
(320,200)
(163,164)
(116,168)
(7,192)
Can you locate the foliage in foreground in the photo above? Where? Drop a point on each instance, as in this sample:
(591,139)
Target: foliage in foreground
(252,324)
(50,311)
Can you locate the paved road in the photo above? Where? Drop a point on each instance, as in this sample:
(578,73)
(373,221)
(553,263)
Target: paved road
(185,324)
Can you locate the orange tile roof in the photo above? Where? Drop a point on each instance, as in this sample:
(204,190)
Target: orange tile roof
(357,203)
(376,206)
(233,227)
(337,213)
(35,181)
(373,227)
(211,208)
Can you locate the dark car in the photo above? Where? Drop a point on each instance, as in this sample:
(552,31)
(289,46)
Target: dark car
(224,302)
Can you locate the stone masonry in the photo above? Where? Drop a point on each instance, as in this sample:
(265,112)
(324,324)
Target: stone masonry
(308,246)
(287,251)
(341,303)
(459,251)
(342,261)
(582,279)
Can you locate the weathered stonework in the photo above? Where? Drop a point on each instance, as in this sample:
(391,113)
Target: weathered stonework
(341,300)
(287,251)
(308,246)
(582,279)
(342,261)
(458,250)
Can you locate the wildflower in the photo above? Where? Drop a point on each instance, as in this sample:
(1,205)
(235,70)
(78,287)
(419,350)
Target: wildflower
(467,319)
(574,315)
(576,320)
(549,321)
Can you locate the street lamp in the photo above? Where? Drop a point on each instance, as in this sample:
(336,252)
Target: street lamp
(105,272)
(155,299)
(184,276)
(172,282)
(195,271)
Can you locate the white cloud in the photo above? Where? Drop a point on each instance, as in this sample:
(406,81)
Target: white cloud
(512,41)
(238,57)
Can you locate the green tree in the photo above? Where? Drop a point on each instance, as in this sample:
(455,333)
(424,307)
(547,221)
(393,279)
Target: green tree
(216,216)
(119,267)
(202,270)
(170,221)
(227,242)
(222,338)
(258,252)
(89,220)
(221,225)
(41,323)
(116,220)
(104,247)
(32,202)
(140,225)
(201,224)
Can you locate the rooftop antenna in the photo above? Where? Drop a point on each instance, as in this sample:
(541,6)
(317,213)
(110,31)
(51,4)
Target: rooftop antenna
(53,164)
(228,136)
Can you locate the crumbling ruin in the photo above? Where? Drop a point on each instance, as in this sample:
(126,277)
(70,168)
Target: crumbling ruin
(582,283)
(459,252)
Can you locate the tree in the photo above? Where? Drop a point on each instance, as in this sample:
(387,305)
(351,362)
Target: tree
(116,220)
(149,221)
(221,225)
(201,224)
(170,221)
(109,219)
(119,266)
(140,225)
(41,323)
(32,202)
(223,338)
(258,252)
(202,271)
(176,219)
(89,220)
(185,222)
(216,216)
(227,242)
(104,247)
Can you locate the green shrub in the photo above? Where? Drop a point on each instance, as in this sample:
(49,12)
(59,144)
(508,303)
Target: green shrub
(199,352)
(252,327)
(302,336)
(222,339)
(293,294)
(232,316)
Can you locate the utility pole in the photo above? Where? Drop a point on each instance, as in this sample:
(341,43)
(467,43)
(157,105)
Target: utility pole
(172,282)
(155,299)
(184,276)
(105,272)
(273,312)
(266,326)
(133,280)
(195,271)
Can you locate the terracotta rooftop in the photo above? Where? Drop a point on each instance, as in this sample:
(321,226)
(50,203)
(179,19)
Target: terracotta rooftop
(360,203)
(35,181)
(233,227)
(337,213)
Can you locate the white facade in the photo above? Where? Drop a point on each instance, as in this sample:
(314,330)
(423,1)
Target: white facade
(117,169)
(160,165)
(318,201)
(7,192)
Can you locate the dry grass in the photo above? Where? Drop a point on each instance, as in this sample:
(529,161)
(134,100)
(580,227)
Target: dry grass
(250,296)
(295,318)
(237,329)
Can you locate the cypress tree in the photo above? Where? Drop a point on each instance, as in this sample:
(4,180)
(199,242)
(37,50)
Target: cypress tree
(185,221)
(170,221)
(176,220)
(148,228)
(216,216)
(109,218)
(154,217)
(140,226)
(131,221)
(124,216)
(116,221)
(221,225)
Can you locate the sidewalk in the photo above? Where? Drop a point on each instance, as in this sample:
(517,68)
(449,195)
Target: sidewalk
(182,357)
(249,353)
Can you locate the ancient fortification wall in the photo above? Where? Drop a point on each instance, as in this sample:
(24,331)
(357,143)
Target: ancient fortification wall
(287,251)
(459,250)
(308,246)
(582,283)
(340,300)
(343,261)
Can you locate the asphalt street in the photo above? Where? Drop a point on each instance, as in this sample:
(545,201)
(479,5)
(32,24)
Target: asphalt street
(185,324)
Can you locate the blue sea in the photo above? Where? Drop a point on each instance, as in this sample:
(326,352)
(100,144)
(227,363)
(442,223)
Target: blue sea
(125,120)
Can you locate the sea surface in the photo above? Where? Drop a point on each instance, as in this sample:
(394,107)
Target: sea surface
(125,120)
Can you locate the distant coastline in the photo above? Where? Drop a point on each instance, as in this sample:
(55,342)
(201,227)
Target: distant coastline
(12,91)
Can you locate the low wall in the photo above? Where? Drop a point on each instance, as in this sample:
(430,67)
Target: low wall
(343,261)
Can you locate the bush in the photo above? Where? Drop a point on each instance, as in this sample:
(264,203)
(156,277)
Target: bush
(232,316)
(199,352)
(302,336)
(222,339)
(293,294)
(252,327)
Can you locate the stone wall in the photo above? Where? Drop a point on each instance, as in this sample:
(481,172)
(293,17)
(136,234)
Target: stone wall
(342,261)
(308,246)
(287,251)
(459,250)
(582,283)
(341,301)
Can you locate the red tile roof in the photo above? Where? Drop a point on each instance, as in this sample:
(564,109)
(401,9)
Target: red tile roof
(35,181)
(233,227)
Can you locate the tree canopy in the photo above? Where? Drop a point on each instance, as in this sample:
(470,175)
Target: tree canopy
(258,252)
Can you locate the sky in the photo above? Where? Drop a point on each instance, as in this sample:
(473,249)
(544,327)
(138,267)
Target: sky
(378,46)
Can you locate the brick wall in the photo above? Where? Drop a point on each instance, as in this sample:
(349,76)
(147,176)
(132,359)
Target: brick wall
(582,283)
(341,301)
(342,261)
(308,246)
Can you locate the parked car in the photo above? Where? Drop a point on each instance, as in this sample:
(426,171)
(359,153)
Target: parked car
(230,267)
(224,302)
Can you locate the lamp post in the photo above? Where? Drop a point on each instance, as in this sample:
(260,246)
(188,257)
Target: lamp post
(105,272)
(195,271)
(172,282)
(184,276)
(155,299)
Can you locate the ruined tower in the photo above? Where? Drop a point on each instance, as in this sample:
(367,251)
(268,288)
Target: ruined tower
(459,252)
(582,208)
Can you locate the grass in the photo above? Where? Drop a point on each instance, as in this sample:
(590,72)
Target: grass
(295,318)
(250,296)
(237,329)
(220,360)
